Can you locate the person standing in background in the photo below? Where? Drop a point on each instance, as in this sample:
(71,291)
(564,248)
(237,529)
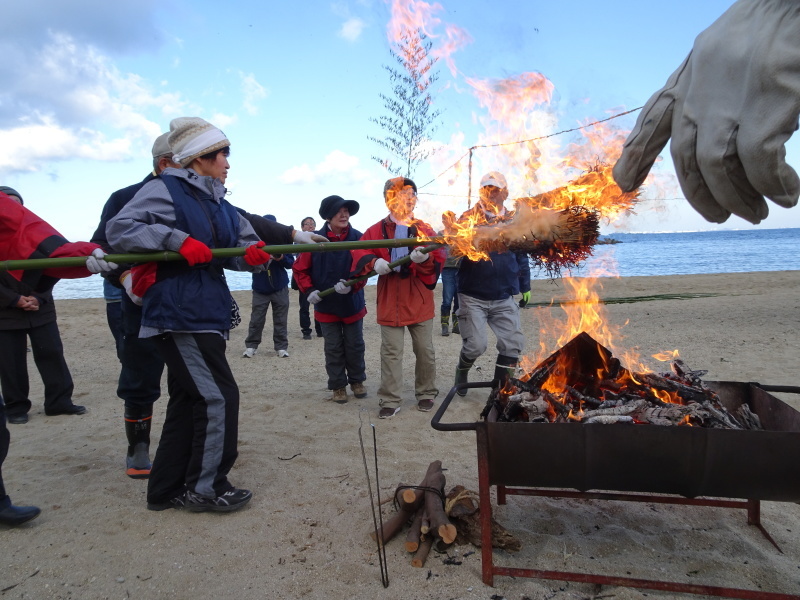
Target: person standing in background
(307,224)
(450,292)
(27,309)
(341,315)
(270,287)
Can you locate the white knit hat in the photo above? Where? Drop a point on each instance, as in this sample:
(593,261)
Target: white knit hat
(190,137)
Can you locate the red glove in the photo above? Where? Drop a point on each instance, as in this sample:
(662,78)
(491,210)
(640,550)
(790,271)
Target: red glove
(253,256)
(195,251)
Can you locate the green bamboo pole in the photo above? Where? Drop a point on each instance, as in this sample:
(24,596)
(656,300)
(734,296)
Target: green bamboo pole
(393,264)
(78,261)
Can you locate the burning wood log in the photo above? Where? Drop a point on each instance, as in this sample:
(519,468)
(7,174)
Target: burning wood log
(599,390)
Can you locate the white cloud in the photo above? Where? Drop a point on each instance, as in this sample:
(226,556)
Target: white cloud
(351,29)
(253,92)
(336,166)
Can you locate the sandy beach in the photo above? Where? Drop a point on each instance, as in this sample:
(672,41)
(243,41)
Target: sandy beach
(305,533)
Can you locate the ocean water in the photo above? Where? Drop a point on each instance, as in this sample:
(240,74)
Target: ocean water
(682,253)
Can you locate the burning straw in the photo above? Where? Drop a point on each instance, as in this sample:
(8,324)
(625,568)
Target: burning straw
(557,229)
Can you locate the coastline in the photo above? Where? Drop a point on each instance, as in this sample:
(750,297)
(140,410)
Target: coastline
(305,534)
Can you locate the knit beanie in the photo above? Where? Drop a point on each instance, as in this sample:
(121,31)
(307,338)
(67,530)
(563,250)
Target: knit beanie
(9,191)
(190,137)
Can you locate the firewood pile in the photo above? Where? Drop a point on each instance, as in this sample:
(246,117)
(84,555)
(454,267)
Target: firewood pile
(583,383)
(437,521)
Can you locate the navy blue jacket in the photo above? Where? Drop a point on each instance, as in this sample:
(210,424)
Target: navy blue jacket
(327,268)
(197,298)
(275,277)
(505,275)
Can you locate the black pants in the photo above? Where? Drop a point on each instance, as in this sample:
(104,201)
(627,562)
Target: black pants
(5,438)
(48,354)
(344,353)
(142,364)
(199,439)
(305,316)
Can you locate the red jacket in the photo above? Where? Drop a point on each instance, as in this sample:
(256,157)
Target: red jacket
(404,297)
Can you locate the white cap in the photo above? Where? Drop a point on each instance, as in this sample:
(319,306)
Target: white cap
(494,178)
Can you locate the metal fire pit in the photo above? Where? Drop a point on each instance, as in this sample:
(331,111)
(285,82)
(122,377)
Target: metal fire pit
(694,464)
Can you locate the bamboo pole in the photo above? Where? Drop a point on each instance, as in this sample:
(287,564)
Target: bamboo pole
(393,264)
(164,256)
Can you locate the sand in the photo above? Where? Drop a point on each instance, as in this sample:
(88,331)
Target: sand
(305,533)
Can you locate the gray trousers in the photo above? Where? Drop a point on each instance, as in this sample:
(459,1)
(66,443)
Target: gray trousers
(280,316)
(501,315)
(392,339)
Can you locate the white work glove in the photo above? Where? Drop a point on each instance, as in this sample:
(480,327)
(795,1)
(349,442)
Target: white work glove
(308,237)
(314,298)
(95,263)
(341,288)
(729,108)
(418,257)
(127,282)
(381,267)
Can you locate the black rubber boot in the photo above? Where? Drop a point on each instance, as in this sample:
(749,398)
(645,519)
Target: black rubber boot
(137,430)
(445,324)
(503,369)
(462,370)
(455,325)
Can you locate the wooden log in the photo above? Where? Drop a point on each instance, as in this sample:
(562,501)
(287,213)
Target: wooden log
(414,533)
(468,521)
(422,553)
(392,526)
(434,506)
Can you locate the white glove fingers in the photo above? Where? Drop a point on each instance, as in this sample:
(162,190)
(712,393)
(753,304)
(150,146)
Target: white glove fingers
(764,161)
(649,136)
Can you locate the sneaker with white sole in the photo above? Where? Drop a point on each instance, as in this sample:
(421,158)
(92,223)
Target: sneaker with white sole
(178,502)
(231,500)
(283,354)
(249,352)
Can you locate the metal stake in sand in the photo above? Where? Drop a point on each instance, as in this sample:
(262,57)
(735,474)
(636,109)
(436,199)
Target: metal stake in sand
(377,519)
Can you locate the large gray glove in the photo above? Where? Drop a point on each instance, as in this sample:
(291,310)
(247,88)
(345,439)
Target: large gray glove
(381,266)
(342,288)
(729,108)
(314,297)
(417,256)
(96,262)
(308,237)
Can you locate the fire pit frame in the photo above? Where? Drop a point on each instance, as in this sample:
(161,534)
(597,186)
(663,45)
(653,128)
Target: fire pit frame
(487,476)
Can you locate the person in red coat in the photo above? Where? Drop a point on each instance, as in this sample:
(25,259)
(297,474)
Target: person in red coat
(27,310)
(405,297)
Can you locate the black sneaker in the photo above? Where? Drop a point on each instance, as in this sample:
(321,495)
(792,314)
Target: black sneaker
(177,502)
(229,501)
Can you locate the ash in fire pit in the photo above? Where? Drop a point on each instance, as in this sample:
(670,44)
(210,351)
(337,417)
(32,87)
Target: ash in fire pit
(583,383)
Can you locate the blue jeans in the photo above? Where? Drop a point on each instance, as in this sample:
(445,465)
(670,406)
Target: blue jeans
(344,353)
(449,289)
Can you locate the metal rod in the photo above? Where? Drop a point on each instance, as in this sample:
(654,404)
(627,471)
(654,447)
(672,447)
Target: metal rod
(397,263)
(164,256)
(376,512)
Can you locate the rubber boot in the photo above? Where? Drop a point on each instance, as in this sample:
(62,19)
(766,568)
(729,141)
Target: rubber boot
(462,370)
(137,430)
(445,324)
(456,330)
(503,369)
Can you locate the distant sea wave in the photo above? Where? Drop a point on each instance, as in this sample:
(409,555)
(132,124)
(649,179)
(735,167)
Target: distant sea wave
(682,253)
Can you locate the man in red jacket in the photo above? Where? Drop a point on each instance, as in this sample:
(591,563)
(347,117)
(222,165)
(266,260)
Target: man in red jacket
(405,297)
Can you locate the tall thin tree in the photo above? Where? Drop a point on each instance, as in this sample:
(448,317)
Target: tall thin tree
(411,122)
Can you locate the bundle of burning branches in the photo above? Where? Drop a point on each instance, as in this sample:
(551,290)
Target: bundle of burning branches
(557,229)
(583,383)
(436,521)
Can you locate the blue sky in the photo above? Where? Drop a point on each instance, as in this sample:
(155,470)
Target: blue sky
(88,85)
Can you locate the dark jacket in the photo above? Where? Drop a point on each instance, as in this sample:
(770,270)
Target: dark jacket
(504,275)
(327,268)
(275,278)
(112,206)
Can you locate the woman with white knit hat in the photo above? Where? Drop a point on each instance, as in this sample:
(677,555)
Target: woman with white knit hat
(187,310)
